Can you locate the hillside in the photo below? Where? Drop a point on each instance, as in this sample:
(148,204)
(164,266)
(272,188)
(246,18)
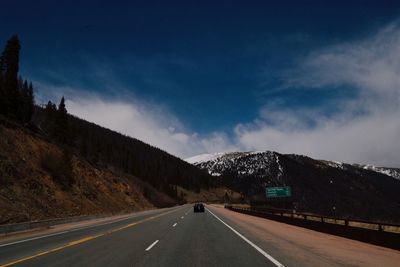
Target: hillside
(32,186)
(317,185)
(104,147)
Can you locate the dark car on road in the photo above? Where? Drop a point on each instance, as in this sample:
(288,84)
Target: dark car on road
(198,207)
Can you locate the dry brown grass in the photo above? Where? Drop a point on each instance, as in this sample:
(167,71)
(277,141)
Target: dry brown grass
(393,229)
(373,226)
(30,192)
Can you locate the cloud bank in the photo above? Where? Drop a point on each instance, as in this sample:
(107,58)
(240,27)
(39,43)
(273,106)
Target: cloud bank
(365,129)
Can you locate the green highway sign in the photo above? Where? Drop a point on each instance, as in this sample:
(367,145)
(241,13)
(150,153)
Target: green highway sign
(272,192)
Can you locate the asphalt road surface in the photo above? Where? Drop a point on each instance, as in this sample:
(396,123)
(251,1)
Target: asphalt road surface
(179,237)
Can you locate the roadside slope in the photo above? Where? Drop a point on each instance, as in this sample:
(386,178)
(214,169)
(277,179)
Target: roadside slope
(32,187)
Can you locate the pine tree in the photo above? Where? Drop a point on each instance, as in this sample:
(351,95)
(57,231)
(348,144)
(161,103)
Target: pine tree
(62,110)
(57,121)
(50,109)
(10,64)
(50,106)
(61,123)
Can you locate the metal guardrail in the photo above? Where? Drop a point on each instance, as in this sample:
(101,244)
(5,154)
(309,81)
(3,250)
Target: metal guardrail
(361,230)
(373,225)
(381,226)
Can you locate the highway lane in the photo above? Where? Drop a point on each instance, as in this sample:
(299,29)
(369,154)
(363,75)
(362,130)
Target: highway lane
(200,239)
(179,237)
(19,249)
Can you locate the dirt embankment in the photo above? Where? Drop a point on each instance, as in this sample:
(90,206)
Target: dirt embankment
(38,180)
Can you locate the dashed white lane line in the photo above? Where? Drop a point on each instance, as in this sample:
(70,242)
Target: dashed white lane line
(152,245)
(265,254)
(174,224)
(188,211)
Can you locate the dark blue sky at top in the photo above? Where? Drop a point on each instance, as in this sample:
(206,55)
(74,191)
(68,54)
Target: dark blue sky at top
(212,63)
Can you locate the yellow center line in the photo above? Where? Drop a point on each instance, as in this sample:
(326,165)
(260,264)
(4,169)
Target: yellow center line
(82,240)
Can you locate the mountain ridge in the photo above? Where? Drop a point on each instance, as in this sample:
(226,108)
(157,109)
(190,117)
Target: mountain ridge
(201,158)
(318,186)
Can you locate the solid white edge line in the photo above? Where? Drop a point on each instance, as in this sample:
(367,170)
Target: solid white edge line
(33,238)
(174,224)
(152,245)
(265,254)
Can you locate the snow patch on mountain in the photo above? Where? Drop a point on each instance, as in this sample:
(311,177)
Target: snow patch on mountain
(279,166)
(203,158)
(395,173)
(266,163)
(392,172)
(335,164)
(258,163)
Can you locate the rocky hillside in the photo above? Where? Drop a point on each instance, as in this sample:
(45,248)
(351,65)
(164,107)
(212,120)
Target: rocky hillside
(38,181)
(324,187)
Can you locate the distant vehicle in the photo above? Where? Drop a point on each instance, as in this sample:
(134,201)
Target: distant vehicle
(198,207)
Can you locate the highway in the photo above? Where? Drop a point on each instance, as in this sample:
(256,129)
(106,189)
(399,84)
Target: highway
(178,237)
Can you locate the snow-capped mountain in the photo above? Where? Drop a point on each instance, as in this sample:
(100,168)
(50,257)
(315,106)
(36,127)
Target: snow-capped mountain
(317,185)
(244,163)
(217,163)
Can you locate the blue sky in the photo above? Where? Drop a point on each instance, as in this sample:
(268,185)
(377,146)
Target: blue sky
(203,76)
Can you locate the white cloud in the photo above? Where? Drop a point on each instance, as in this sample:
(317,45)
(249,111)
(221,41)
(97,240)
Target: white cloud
(371,139)
(366,130)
